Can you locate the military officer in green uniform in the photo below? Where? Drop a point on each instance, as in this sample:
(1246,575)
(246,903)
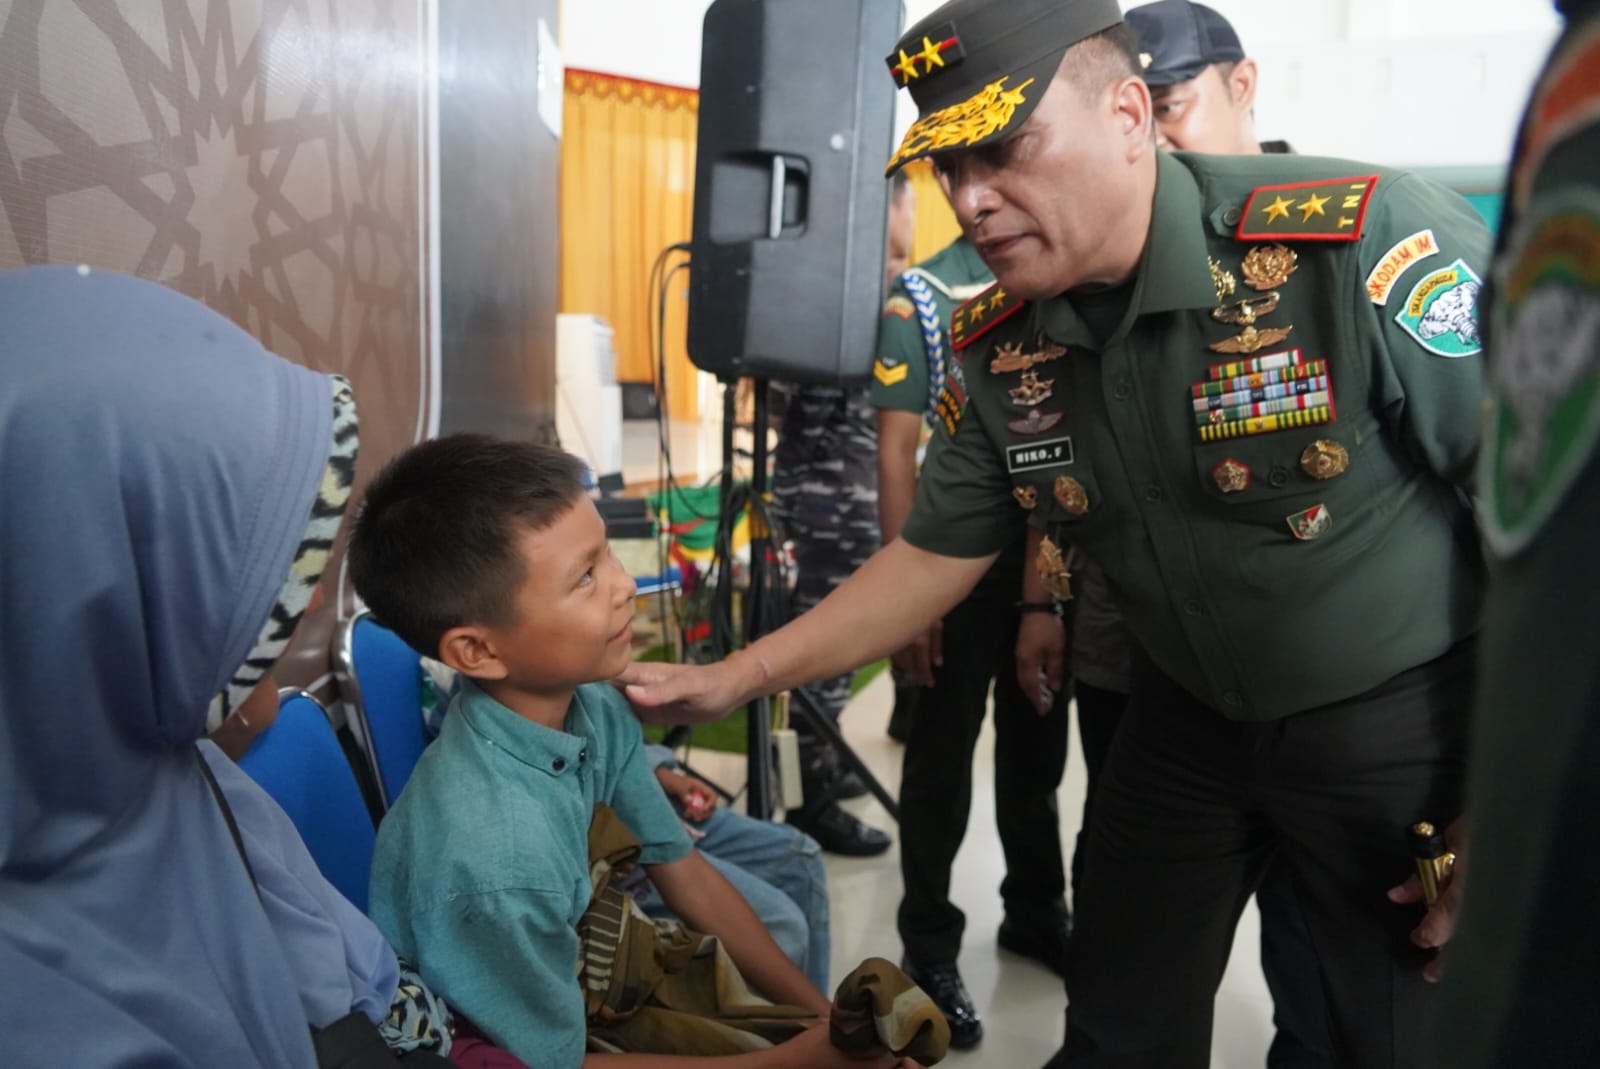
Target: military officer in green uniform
(1261,382)
(1520,979)
(954,664)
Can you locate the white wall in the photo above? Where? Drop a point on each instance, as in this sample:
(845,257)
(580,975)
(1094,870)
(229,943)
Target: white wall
(1403,82)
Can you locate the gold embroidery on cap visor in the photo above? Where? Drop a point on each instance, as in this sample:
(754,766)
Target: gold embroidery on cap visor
(984,114)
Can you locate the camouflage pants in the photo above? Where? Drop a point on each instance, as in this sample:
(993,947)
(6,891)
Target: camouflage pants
(833,532)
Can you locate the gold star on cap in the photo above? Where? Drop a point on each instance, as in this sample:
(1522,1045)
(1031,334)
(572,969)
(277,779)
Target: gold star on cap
(908,65)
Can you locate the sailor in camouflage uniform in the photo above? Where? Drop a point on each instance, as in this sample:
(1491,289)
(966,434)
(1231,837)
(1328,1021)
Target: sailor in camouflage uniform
(1522,977)
(1249,388)
(825,501)
(970,649)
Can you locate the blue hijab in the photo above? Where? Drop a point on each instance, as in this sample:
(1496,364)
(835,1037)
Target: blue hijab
(158,470)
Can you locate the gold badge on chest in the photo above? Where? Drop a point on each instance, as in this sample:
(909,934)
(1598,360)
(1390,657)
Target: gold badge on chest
(1026,496)
(1231,476)
(1244,313)
(1250,340)
(1009,356)
(1052,567)
(1323,459)
(1071,495)
(1222,280)
(1032,390)
(1265,268)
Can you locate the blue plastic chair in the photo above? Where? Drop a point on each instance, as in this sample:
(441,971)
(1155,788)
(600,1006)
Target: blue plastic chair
(299,762)
(381,678)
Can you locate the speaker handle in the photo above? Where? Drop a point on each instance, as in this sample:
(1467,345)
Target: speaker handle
(780,178)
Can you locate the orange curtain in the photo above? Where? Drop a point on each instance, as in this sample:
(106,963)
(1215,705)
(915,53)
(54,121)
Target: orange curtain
(627,192)
(936,222)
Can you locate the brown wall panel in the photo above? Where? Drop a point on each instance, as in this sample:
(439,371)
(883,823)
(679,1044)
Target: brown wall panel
(263,156)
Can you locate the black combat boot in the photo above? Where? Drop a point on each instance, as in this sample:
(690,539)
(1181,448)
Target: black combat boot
(821,816)
(943,984)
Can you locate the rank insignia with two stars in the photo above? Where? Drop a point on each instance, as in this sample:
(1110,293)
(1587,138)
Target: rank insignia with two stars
(1332,210)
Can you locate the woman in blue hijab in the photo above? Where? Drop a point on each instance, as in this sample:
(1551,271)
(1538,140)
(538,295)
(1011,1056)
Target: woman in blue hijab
(169,492)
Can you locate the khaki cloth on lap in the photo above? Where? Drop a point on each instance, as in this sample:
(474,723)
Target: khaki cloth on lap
(655,987)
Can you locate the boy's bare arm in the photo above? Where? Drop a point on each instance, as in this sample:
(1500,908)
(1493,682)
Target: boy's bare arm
(708,903)
(811,1050)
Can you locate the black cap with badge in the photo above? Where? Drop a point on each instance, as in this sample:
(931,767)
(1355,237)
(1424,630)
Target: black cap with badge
(1180,39)
(977,68)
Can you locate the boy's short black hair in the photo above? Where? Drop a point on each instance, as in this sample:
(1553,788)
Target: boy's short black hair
(433,546)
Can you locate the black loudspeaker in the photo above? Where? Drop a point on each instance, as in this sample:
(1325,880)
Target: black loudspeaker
(790,202)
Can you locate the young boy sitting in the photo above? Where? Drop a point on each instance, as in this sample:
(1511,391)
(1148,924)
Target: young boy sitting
(776,868)
(488,555)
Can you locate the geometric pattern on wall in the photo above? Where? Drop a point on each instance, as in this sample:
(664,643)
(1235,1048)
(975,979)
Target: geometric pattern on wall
(263,156)
(259,155)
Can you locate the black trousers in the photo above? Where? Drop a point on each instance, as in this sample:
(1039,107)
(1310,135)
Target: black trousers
(936,785)
(1099,713)
(1189,811)
(1288,959)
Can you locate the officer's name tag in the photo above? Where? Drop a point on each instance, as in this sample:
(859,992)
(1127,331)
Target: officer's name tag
(1052,453)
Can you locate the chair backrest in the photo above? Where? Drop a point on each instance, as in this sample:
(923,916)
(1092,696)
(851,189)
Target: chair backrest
(298,760)
(381,678)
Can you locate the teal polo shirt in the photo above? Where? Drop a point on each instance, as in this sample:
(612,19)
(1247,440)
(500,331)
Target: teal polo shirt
(1260,583)
(481,870)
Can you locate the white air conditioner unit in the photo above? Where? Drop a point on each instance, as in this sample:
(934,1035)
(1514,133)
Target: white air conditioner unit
(588,399)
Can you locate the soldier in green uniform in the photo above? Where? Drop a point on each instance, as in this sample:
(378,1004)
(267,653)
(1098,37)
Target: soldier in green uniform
(1203,89)
(1249,388)
(1521,981)
(954,664)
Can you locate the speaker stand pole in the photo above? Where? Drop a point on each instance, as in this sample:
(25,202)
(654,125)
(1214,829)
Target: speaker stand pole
(758,802)
(758,721)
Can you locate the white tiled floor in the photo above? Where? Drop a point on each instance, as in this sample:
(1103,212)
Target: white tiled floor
(1021,1002)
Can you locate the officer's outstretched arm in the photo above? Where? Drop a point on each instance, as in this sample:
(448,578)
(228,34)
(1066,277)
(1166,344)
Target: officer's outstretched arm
(898,593)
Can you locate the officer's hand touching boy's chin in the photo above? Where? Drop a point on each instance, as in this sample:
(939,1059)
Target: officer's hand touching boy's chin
(1439,923)
(683,693)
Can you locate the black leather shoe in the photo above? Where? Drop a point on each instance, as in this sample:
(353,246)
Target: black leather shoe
(1047,946)
(839,832)
(943,985)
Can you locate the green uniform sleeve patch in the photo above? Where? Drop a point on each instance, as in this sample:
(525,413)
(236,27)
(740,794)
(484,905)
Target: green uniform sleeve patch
(1407,253)
(1442,312)
(899,305)
(889,376)
(1331,210)
(980,315)
(1544,373)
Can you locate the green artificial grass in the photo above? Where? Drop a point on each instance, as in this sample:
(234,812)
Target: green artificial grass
(728,735)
